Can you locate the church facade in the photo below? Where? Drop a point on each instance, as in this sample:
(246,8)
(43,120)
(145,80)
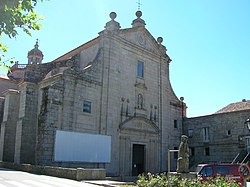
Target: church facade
(106,104)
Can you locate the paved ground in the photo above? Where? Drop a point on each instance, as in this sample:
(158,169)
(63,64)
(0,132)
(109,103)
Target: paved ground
(106,183)
(10,178)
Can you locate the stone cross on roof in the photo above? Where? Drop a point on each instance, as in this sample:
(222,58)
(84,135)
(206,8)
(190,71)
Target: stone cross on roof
(139,4)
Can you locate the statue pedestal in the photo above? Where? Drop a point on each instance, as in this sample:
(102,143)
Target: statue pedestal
(189,175)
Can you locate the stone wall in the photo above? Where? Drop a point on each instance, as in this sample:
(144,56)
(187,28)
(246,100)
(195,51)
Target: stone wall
(70,173)
(225,138)
(46,127)
(60,106)
(6,84)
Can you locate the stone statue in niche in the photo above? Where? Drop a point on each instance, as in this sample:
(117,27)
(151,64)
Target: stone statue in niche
(140,101)
(183,156)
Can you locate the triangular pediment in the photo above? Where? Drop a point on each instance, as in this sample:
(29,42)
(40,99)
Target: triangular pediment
(141,37)
(139,123)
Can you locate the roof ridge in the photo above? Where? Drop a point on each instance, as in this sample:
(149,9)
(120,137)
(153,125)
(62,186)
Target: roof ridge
(236,106)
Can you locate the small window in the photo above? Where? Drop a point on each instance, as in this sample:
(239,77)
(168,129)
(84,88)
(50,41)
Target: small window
(229,133)
(207,151)
(190,133)
(192,152)
(87,106)
(175,124)
(140,72)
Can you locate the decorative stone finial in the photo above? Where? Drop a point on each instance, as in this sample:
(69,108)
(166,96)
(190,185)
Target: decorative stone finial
(138,22)
(112,15)
(112,25)
(161,47)
(138,14)
(159,40)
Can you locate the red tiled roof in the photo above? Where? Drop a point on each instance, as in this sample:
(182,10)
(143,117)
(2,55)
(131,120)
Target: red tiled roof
(238,106)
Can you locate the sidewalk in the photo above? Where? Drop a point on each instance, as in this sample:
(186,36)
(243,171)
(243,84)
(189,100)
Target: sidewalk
(106,183)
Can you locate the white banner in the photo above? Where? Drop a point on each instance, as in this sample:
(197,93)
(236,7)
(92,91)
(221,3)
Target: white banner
(82,147)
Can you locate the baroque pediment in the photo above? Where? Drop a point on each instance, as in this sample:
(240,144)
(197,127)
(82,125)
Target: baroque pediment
(142,38)
(139,123)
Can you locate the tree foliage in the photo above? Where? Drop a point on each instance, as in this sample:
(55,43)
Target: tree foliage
(16,16)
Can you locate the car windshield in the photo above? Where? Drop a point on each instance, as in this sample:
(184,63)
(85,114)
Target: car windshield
(198,168)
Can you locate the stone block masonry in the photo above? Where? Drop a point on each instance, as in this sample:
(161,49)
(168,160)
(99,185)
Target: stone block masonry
(69,173)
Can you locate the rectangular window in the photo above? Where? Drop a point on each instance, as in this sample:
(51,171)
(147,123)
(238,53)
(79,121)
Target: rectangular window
(175,124)
(87,106)
(205,134)
(247,143)
(140,68)
(191,151)
(190,133)
(207,151)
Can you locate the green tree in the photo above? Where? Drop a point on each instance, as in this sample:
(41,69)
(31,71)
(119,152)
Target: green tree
(15,16)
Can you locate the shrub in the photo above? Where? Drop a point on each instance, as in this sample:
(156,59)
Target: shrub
(162,181)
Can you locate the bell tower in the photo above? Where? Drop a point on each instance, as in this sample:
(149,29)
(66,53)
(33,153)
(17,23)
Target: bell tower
(35,56)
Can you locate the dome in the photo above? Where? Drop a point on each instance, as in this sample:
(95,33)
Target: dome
(35,52)
(35,56)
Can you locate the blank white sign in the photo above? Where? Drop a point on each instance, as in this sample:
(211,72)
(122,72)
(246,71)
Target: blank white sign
(82,147)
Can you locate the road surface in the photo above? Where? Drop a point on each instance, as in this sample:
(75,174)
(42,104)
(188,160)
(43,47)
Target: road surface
(11,178)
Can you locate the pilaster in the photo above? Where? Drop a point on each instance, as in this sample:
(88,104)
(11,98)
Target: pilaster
(8,126)
(26,128)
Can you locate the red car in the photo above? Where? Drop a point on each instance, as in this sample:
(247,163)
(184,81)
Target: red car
(236,172)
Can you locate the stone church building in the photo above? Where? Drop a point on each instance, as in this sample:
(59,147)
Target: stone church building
(106,104)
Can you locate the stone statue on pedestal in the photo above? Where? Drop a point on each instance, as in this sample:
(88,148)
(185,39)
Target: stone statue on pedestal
(183,156)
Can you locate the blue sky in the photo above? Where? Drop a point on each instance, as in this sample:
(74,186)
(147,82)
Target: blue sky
(207,40)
